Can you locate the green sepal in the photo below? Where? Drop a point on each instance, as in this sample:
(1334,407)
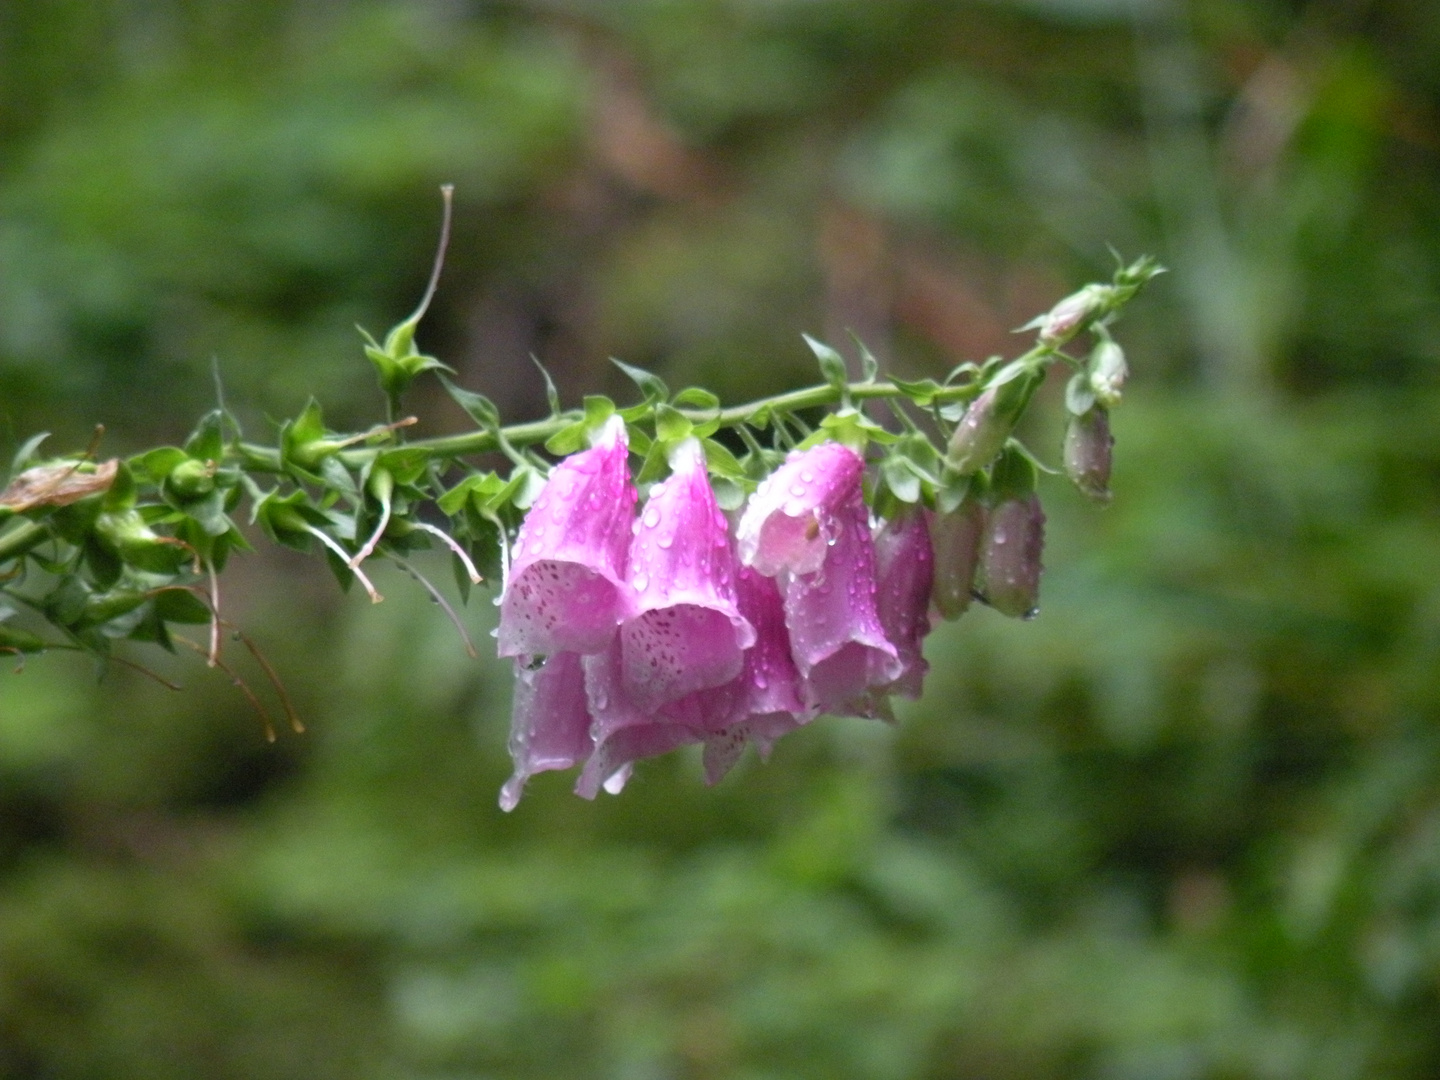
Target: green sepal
(1079,397)
(122,493)
(721,462)
(671,425)
(848,426)
(207,441)
(1014,475)
(869,366)
(155,465)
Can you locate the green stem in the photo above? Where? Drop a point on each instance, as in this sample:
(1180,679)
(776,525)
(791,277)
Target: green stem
(21,539)
(537,431)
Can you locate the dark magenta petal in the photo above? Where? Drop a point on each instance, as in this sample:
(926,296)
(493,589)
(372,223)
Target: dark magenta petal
(905,571)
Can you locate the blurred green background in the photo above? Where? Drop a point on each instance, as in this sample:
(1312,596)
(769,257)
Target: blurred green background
(1185,825)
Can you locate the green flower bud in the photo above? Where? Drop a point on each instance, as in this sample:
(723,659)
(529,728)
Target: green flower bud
(192,478)
(988,422)
(1108,372)
(1088,445)
(955,538)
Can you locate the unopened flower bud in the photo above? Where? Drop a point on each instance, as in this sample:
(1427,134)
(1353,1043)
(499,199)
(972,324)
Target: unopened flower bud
(1070,316)
(1010,556)
(955,538)
(192,478)
(1108,372)
(1088,445)
(987,423)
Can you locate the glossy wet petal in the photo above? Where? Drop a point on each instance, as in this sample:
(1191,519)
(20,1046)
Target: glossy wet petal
(566,588)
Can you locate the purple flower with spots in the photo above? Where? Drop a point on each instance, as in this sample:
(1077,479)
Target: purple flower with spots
(765,701)
(621,731)
(686,632)
(794,517)
(549,721)
(566,590)
(809,526)
(905,573)
(667,678)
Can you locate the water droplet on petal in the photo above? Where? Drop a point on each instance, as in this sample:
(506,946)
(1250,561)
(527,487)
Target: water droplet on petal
(652,518)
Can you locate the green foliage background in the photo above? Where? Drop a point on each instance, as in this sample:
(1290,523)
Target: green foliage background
(1185,825)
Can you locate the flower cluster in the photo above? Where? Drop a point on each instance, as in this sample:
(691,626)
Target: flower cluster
(802,582)
(634,633)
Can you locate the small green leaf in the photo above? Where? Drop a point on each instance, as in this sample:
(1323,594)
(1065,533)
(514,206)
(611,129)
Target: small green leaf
(181,606)
(27,451)
(651,385)
(722,462)
(569,439)
(693,397)
(639,440)
(477,406)
(900,478)
(921,391)
(729,495)
(832,364)
(551,394)
(869,366)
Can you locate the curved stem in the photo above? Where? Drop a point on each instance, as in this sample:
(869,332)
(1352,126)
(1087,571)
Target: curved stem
(267,458)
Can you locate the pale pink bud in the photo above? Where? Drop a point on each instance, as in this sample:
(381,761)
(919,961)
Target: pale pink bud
(1010,566)
(1088,452)
(955,538)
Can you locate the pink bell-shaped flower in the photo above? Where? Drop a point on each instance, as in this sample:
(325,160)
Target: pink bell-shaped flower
(685,632)
(549,721)
(792,519)
(621,731)
(765,699)
(836,637)
(905,573)
(566,588)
